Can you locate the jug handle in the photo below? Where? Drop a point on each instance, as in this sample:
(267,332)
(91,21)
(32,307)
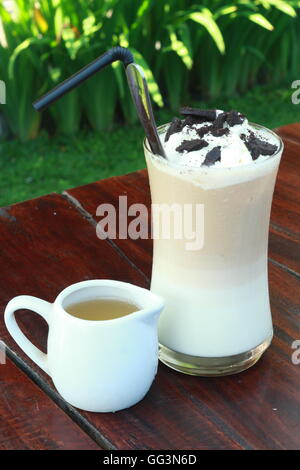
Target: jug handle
(39,306)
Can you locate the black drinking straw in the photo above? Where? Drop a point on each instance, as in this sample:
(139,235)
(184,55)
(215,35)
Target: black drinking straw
(137,84)
(116,53)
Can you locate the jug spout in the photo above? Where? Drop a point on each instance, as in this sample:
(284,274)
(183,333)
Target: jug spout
(151,307)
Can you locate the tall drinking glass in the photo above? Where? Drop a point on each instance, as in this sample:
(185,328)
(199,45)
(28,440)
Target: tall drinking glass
(217,319)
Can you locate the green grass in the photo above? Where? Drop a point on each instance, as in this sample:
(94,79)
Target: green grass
(50,164)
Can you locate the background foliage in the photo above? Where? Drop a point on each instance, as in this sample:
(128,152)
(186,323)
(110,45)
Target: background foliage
(56,163)
(208,50)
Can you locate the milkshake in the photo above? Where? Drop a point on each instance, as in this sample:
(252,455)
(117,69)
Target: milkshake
(217,318)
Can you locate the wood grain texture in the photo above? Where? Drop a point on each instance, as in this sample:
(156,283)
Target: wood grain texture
(51,256)
(50,242)
(48,246)
(136,187)
(29,420)
(286,208)
(284,248)
(290,132)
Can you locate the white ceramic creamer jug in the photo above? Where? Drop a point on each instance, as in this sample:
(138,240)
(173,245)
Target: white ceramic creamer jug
(96,365)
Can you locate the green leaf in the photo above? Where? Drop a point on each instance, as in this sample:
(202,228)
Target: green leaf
(58,22)
(227,10)
(119,74)
(205,18)
(283,6)
(180,48)
(152,85)
(19,49)
(89,25)
(5,16)
(144,6)
(40,20)
(3,40)
(261,21)
(259,55)
(183,32)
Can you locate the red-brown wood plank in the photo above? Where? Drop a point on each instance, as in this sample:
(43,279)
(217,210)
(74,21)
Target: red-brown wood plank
(30,420)
(256,409)
(178,412)
(290,132)
(42,258)
(273,430)
(263,402)
(284,248)
(48,246)
(286,201)
(136,187)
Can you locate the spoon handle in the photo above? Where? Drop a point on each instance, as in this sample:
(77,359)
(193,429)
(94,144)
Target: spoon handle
(140,95)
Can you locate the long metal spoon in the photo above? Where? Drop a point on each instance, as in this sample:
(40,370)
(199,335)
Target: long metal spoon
(140,95)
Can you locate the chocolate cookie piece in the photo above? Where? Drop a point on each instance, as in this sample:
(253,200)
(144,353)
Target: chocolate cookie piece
(234,118)
(213,156)
(192,120)
(219,122)
(207,114)
(266,148)
(220,132)
(175,126)
(192,145)
(257,146)
(203,130)
(251,144)
(254,151)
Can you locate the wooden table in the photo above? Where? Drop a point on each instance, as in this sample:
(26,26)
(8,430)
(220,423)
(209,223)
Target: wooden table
(50,242)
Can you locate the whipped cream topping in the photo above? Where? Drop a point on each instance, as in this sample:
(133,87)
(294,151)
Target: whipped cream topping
(233,144)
